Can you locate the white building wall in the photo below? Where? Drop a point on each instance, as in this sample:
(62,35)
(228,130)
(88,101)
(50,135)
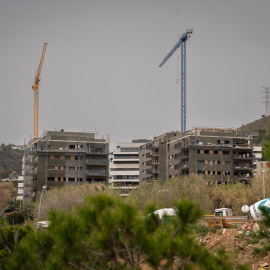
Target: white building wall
(124,167)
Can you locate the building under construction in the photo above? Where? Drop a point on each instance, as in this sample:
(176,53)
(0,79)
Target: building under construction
(61,158)
(220,154)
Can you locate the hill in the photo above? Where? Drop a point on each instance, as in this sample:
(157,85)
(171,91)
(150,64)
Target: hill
(255,126)
(258,128)
(10,160)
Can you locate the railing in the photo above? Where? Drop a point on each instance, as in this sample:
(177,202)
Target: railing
(91,151)
(126,157)
(148,163)
(96,172)
(244,156)
(242,168)
(97,161)
(179,156)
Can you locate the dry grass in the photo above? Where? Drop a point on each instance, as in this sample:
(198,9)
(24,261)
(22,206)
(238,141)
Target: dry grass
(7,192)
(163,194)
(66,198)
(195,188)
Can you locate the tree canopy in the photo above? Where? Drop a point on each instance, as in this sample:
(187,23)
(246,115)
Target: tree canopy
(107,233)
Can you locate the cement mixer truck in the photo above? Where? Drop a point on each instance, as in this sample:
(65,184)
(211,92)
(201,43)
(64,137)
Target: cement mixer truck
(255,210)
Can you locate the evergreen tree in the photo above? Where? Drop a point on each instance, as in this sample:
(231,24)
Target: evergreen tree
(108,233)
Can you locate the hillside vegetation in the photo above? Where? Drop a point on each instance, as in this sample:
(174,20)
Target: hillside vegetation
(259,129)
(10,160)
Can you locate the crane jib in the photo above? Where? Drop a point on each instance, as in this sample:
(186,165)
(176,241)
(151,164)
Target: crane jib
(176,46)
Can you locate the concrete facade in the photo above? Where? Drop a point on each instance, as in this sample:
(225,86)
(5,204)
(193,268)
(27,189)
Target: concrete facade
(223,154)
(61,158)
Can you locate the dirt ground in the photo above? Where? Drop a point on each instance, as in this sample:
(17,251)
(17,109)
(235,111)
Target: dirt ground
(235,245)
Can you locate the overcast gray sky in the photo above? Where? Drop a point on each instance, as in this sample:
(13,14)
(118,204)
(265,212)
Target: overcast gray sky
(101,73)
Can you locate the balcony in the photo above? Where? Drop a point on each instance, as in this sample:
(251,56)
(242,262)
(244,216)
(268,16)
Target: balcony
(243,168)
(97,151)
(181,166)
(180,156)
(31,172)
(97,161)
(243,157)
(97,172)
(241,146)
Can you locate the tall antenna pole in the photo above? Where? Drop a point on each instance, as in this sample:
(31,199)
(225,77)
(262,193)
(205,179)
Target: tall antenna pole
(267,102)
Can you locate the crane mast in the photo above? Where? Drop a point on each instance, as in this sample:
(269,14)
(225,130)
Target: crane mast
(181,43)
(35,87)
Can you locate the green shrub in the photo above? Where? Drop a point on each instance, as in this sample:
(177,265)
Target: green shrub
(257,250)
(15,218)
(201,229)
(2,221)
(9,237)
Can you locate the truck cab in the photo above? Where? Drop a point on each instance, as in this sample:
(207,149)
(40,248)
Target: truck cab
(223,212)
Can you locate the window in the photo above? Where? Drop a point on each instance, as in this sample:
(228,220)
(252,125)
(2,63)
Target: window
(56,157)
(227,162)
(226,152)
(71,179)
(72,146)
(67,157)
(50,168)
(78,157)
(206,151)
(50,178)
(215,152)
(71,168)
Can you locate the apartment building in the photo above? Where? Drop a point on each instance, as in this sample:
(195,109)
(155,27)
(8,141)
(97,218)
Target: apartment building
(257,154)
(153,157)
(124,166)
(61,158)
(222,154)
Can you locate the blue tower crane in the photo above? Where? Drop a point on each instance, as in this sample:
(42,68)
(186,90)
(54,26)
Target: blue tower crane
(182,43)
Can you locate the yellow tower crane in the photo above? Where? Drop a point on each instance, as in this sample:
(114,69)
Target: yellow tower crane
(36,92)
